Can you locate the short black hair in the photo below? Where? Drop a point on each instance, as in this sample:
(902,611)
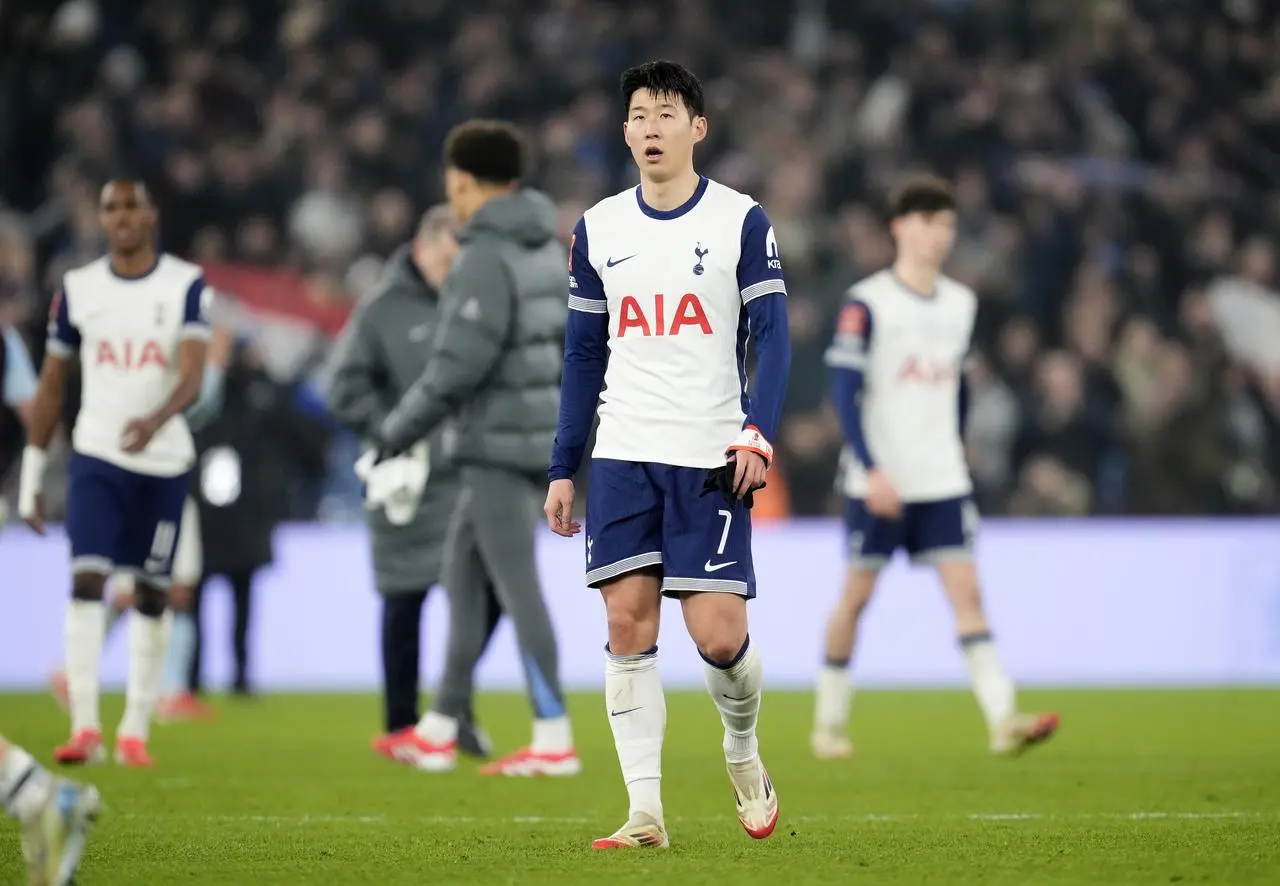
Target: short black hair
(922,192)
(492,150)
(664,78)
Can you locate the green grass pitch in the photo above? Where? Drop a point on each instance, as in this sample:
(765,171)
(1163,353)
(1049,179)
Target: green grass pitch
(1140,787)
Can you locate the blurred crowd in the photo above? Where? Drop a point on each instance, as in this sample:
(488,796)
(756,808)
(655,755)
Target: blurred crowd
(1117,166)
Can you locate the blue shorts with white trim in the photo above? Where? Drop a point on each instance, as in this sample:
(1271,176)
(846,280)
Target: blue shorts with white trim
(642,514)
(929,531)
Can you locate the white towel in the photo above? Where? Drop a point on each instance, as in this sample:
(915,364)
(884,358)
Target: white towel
(395,484)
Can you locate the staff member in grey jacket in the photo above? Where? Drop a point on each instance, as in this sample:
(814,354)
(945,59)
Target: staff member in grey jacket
(383,349)
(495,370)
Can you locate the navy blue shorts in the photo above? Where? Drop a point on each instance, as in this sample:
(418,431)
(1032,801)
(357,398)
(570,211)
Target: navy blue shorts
(929,531)
(644,514)
(118,520)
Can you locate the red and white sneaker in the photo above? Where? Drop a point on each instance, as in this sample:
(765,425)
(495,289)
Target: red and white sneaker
(84,748)
(59,689)
(527,762)
(756,799)
(181,707)
(1022,731)
(642,831)
(132,752)
(408,747)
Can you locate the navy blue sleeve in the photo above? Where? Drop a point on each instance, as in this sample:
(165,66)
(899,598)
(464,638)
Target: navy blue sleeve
(64,339)
(847,358)
(759,265)
(194,322)
(763,290)
(586,349)
(771,340)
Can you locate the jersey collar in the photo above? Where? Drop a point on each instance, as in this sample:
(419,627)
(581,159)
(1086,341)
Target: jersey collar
(668,214)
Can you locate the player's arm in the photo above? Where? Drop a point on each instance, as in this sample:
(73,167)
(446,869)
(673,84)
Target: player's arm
(586,355)
(356,376)
(192,354)
(763,290)
(847,358)
(46,407)
(213,386)
(19,375)
(469,340)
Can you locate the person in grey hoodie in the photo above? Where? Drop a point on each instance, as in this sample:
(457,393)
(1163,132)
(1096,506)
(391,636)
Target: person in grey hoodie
(494,374)
(381,352)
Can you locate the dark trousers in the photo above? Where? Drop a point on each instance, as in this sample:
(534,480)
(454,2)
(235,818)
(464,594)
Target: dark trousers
(401,632)
(241,594)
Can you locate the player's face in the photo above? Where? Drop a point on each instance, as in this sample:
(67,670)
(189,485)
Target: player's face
(127,216)
(661,134)
(926,236)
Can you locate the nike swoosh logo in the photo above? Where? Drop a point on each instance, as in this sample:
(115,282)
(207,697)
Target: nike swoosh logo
(733,698)
(716,567)
(620,713)
(610,263)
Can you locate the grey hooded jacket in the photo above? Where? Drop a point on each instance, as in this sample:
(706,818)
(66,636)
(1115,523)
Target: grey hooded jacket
(382,351)
(496,358)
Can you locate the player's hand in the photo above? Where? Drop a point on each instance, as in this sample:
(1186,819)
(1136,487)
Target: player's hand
(35,517)
(137,434)
(30,480)
(749,469)
(559,509)
(882,499)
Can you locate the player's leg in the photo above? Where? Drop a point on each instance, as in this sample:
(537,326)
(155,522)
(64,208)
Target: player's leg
(870,542)
(504,509)
(707,559)
(94,520)
(55,815)
(242,609)
(401,633)
(118,595)
(177,702)
(624,560)
(448,726)
(149,542)
(943,535)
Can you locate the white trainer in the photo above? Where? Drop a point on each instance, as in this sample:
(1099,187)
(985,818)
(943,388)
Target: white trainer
(642,831)
(828,743)
(53,840)
(757,801)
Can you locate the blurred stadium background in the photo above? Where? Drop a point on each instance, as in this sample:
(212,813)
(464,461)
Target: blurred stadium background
(1118,170)
(1117,166)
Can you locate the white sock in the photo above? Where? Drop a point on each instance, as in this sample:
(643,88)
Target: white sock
(83,634)
(24,784)
(637,711)
(831,708)
(552,735)
(991,684)
(148,637)
(736,692)
(437,728)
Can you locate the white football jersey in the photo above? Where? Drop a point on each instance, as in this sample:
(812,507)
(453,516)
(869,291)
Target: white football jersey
(127,332)
(910,349)
(675,286)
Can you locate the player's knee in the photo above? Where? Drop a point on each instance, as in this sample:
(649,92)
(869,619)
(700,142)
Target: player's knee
(721,647)
(89,586)
(150,601)
(181,598)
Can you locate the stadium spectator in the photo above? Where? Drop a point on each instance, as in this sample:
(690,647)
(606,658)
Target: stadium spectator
(1116,164)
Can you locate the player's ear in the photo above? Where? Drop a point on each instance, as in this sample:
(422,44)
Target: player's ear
(699,129)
